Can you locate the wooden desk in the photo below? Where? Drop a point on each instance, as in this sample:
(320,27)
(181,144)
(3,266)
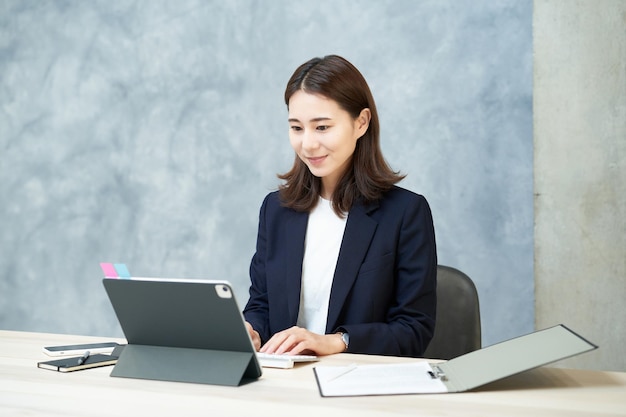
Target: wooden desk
(28,390)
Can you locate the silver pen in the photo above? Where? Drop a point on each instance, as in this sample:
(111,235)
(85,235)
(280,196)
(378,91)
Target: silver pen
(83,358)
(348,369)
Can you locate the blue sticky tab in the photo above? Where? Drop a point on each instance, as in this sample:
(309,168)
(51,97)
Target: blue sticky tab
(122,271)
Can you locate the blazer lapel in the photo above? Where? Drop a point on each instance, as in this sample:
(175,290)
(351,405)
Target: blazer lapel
(293,232)
(360,229)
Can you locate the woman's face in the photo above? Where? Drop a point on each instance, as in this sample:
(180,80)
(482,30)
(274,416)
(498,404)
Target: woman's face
(324,136)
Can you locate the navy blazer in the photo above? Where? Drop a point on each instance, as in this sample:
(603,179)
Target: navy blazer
(383,290)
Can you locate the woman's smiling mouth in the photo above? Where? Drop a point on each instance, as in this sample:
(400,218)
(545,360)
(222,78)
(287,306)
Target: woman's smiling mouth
(317,160)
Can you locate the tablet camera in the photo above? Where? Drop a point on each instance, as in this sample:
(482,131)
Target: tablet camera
(223,291)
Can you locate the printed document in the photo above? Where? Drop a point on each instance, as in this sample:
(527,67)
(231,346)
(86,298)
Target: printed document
(383,379)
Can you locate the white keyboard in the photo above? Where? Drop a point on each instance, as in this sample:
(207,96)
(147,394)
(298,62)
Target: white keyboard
(272,360)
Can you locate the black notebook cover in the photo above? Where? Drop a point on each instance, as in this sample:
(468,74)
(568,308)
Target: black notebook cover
(71,364)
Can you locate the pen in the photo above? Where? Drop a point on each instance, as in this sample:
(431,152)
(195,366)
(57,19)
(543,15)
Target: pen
(83,358)
(348,369)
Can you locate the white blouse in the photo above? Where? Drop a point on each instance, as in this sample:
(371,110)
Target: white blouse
(322,242)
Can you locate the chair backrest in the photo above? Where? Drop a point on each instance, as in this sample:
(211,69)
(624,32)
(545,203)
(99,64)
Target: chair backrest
(457,327)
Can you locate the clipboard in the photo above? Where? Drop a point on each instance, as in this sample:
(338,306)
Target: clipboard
(460,374)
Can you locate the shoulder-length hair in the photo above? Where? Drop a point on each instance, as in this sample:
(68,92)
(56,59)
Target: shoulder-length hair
(368,176)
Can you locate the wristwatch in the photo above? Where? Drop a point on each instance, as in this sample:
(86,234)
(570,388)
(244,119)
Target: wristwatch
(345,338)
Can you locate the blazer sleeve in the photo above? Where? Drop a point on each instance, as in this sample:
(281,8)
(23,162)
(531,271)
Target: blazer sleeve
(405,316)
(256,311)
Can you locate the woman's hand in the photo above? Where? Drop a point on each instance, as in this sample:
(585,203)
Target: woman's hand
(299,341)
(254,335)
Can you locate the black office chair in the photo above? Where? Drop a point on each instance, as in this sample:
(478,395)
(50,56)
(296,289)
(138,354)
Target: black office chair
(457,328)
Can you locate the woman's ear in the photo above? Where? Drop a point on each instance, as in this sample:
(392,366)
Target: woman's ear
(362,121)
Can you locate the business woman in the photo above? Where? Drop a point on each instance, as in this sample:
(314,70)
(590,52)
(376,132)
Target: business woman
(345,260)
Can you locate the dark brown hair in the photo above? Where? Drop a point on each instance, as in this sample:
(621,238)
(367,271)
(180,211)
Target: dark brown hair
(368,175)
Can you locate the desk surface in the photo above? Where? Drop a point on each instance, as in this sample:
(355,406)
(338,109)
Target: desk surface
(28,390)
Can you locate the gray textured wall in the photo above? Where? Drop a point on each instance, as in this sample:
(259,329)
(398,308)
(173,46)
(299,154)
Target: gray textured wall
(148,132)
(580,173)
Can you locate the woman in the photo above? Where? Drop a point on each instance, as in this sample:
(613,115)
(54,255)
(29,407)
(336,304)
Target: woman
(345,260)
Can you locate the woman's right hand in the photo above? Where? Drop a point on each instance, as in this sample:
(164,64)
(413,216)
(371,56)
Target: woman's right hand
(254,335)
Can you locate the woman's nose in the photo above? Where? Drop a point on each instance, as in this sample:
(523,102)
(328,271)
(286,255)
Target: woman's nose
(309,141)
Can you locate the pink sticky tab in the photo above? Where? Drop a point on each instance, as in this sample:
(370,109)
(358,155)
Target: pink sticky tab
(109,270)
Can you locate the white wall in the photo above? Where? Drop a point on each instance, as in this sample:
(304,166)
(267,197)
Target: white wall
(580,173)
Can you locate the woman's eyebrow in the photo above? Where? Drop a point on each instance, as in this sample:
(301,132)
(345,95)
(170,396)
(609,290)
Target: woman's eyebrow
(315,119)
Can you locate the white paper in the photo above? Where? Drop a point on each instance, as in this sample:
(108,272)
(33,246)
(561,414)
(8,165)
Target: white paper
(401,378)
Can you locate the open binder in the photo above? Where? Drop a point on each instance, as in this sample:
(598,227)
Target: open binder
(182,330)
(460,374)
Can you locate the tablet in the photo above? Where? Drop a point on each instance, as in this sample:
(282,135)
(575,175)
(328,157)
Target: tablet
(182,330)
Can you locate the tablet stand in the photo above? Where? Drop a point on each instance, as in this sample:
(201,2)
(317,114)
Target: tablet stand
(185,365)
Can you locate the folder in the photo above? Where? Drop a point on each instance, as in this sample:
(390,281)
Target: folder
(460,374)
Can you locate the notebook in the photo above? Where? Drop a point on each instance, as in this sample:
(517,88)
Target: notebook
(72,364)
(460,374)
(182,330)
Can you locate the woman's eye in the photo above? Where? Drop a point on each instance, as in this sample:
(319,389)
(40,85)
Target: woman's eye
(295,128)
(322,128)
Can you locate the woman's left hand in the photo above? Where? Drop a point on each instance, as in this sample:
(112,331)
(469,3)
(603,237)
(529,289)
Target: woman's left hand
(299,341)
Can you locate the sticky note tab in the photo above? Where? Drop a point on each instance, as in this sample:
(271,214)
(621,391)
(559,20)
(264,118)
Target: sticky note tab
(122,271)
(109,270)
